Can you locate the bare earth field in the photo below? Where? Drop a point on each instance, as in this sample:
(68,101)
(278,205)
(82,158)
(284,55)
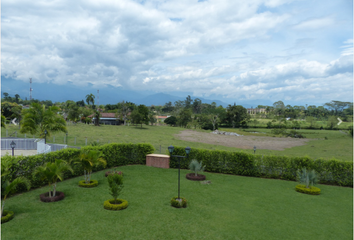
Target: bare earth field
(244,142)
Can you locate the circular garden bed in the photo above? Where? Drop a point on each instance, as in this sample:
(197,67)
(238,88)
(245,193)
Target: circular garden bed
(113,172)
(193,177)
(7,216)
(93,183)
(45,197)
(178,203)
(311,190)
(119,205)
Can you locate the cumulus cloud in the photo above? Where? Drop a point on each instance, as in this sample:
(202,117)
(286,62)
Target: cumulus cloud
(207,47)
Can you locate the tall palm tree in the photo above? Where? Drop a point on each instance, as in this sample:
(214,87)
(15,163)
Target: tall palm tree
(51,172)
(89,159)
(8,187)
(37,118)
(90,98)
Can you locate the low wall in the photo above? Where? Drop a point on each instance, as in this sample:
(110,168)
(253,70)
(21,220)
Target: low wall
(158,160)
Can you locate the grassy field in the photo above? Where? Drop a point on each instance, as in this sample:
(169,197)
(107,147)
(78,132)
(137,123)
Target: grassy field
(343,125)
(338,145)
(231,207)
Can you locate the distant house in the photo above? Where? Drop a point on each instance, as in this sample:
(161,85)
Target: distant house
(107,119)
(161,118)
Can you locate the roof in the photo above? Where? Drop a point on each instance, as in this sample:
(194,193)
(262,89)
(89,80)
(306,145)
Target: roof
(105,115)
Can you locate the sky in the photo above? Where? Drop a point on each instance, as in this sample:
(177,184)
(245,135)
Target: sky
(256,50)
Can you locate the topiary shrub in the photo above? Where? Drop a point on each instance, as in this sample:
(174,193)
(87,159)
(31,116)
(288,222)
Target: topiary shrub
(311,190)
(93,183)
(7,216)
(178,204)
(121,204)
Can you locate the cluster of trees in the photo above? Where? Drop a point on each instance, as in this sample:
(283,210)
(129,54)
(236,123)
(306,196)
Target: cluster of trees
(188,113)
(195,114)
(344,110)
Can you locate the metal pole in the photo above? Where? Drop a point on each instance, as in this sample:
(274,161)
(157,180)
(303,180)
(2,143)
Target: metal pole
(64,139)
(179,168)
(13,150)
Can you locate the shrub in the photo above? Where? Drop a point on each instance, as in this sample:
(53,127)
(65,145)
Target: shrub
(196,167)
(8,215)
(116,155)
(311,190)
(115,182)
(177,204)
(333,172)
(307,177)
(109,204)
(92,183)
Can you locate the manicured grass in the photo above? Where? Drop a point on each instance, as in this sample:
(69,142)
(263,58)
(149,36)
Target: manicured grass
(339,145)
(231,207)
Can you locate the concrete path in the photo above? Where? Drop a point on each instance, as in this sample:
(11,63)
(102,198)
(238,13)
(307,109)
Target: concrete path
(19,152)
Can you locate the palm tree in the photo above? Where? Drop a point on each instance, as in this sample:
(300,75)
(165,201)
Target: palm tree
(37,118)
(90,98)
(89,159)
(97,116)
(51,172)
(8,187)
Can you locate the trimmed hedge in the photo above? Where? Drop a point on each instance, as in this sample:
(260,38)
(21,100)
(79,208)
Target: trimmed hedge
(93,183)
(109,204)
(311,190)
(115,155)
(178,204)
(333,172)
(7,216)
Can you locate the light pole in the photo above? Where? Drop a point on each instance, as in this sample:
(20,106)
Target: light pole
(188,150)
(45,136)
(13,145)
(254,149)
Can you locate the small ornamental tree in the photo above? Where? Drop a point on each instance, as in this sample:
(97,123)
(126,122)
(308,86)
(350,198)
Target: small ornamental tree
(51,172)
(196,166)
(115,182)
(8,187)
(88,159)
(309,178)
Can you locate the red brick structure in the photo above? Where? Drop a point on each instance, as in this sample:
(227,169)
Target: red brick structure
(158,160)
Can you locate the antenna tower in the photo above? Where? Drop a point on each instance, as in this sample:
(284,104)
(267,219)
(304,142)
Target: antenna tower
(98,98)
(31,89)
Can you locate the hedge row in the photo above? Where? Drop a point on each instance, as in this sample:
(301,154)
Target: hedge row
(115,155)
(333,172)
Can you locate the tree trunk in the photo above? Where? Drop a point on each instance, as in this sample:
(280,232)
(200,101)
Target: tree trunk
(50,190)
(54,189)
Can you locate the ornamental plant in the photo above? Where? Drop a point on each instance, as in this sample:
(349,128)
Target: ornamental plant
(115,182)
(52,172)
(196,166)
(8,187)
(309,178)
(88,159)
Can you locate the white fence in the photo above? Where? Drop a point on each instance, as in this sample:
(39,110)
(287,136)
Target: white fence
(31,144)
(21,144)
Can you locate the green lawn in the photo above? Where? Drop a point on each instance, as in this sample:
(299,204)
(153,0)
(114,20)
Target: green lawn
(232,207)
(339,145)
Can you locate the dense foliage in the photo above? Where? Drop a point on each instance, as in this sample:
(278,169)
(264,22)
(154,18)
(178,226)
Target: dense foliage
(116,155)
(333,172)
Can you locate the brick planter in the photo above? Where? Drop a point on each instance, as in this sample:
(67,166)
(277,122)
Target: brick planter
(158,160)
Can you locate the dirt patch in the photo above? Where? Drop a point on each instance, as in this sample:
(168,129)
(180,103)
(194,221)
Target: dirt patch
(244,142)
